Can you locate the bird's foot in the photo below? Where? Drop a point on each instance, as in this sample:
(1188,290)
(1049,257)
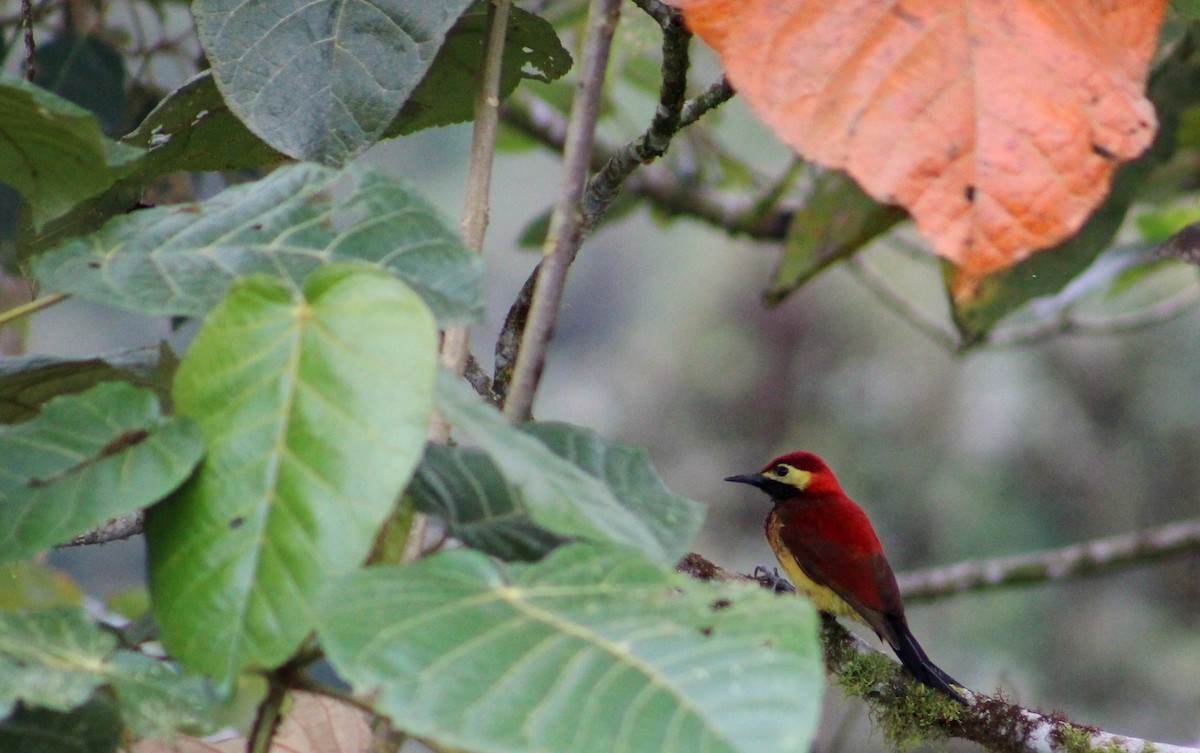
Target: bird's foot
(772,579)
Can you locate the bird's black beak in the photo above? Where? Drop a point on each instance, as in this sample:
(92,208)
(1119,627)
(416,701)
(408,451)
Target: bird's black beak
(753,479)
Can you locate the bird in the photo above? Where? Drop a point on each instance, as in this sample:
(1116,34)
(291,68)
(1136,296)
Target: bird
(828,548)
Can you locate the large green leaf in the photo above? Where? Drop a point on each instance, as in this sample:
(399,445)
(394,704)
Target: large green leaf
(321,80)
(57,659)
(558,495)
(193,129)
(26,382)
(465,489)
(87,458)
(54,152)
(179,260)
(447,93)
(593,650)
(314,407)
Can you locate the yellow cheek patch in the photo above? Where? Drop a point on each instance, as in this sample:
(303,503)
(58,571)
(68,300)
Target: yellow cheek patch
(794,477)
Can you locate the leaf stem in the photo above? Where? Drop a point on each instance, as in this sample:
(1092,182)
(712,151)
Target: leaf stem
(566,223)
(25,309)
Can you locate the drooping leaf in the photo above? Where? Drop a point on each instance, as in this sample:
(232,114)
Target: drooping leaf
(321,81)
(836,221)
(314,405)
(87,458)
(996,125)
(85,70)
(674,520)
(94,727)
(58,659)
(447,93)
(26,382)
(1172,91)
(592,650)
(54,152)
(464,489)
(558,495)
(179,260)
(193,129)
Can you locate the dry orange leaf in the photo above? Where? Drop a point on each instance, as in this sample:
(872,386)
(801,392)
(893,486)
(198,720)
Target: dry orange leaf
(996,123)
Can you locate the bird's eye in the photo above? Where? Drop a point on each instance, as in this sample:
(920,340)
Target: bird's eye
(781,470)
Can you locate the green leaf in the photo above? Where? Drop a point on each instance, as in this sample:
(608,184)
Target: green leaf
(559,496)
(54,152)
(26,382)
(592,650)
(836,221)
(1172,90)
(464,489)
(85,70)
(94,727)
(30,585)
(674,520)
(193,129)
(179,260)
(85,459)
(314,406)
(447,93)
(58,658)
(321,81)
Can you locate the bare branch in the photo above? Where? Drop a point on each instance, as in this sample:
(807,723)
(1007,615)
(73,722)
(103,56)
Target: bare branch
(900,305)
(566,228)
(902,704)
(1088,558)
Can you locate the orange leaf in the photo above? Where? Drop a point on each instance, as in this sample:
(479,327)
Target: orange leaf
(996,123)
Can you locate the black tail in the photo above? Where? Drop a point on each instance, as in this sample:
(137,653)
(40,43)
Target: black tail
(913,657)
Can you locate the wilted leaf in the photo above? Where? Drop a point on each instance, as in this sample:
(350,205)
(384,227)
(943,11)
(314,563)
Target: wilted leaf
(996,125)
(57,660)
(87,458)
(558,495)
(179,260)
(315,407)
(54,152)
(321,81)
(592,650)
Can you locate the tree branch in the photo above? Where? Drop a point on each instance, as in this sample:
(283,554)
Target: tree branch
(117,529)
(566,228)
(907,711)
(1088,558)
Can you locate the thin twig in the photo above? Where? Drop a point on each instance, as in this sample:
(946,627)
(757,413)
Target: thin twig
(565,234)
(900,305)
(605,185)
(1077,560)
(1163,311)
(30,45)
(718,93)
(117,529)
(25,309)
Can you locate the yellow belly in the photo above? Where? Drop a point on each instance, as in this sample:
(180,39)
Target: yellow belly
(823,597)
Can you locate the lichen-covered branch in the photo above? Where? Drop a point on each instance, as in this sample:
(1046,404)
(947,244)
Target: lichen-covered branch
(908,712)
(1087,558)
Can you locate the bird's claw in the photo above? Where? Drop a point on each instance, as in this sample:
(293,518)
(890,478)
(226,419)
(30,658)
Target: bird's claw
(772,579)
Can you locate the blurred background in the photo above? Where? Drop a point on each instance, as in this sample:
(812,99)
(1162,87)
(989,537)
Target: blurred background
(664,343)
